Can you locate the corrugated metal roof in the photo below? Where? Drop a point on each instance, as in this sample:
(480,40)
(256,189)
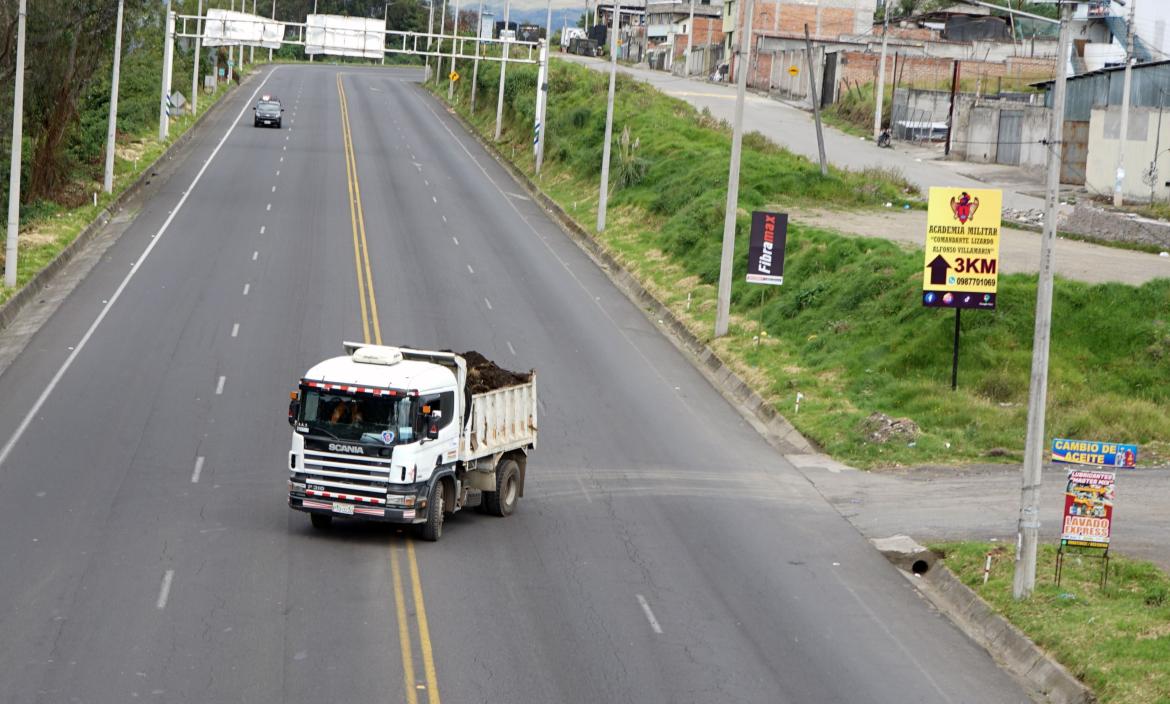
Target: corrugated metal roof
(1102,88)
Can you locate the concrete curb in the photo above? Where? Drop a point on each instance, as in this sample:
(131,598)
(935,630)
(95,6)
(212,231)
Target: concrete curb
(762,415)
(1013,650)
(14,305)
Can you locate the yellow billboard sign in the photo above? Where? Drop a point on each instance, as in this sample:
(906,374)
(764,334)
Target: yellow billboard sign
(962,248)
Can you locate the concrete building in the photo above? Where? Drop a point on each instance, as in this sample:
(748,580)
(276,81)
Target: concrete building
(668,24)
(826,19)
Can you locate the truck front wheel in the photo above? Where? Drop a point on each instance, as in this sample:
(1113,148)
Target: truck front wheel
(502,501)
(432,530)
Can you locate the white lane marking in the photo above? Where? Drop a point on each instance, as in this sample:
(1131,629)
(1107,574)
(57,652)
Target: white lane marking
(583,489)
(219,385)
(489,303)
(278,172)
(426,182)
(284,148)
(247,287)
(273,190)
(48,389)
(168,577)
(649,614)
(281,161)
(470,270)
(286,137)
(511,348)
(269,206)
(262,228)
(456,239)
(434,199)
(444,218)
(235,330)
(255,255)
(198,470)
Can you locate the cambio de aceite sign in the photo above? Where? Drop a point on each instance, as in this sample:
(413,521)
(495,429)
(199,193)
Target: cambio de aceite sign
(962,248)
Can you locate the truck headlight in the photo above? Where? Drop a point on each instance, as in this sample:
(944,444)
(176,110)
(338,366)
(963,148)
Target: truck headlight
(400,500)
(297,487)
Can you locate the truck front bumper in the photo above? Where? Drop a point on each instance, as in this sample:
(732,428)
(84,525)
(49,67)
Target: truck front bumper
(300,500)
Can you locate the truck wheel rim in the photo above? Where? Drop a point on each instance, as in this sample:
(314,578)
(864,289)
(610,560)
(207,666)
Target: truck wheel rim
(510,491)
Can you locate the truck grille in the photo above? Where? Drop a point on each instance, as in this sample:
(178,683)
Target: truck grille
(346,477)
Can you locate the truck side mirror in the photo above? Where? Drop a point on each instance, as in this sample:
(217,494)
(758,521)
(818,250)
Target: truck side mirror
(294,408)
(433,425)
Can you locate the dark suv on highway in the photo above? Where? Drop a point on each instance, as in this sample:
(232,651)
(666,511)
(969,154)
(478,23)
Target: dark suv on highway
(267,111)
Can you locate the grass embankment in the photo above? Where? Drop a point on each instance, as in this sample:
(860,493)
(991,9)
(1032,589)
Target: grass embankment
(47,228)
(1116,639)
(847,329)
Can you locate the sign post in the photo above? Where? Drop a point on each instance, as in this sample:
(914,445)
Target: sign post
(962,253)
(769,234)
(1088,495)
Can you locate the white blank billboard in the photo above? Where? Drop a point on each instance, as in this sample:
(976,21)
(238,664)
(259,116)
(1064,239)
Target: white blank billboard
(228,28)
(345,36)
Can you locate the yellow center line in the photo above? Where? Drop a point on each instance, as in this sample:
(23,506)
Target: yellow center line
(369,308)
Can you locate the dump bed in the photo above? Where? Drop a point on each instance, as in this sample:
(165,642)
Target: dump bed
(501,420)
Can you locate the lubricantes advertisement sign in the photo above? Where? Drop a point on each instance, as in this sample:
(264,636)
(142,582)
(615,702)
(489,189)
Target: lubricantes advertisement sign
(962,248)
(1088,508)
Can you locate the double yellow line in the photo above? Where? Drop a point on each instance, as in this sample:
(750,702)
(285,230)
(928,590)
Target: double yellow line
(369,306)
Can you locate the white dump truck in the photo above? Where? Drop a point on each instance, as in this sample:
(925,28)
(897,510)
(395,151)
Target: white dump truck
(402,435)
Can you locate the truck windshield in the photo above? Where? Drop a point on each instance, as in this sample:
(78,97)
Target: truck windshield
(386,420)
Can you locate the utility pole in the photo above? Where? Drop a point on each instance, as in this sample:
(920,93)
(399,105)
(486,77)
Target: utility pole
(1118,193)
(603,194)
(430,31)
(503,69)
(252,49)
(10,248)
(164,121)
(690,41)
(232,48)
(723,304)
(816,101)
(454,43)
(315,12)
(439,48)
(385,26)
(879,91)
(282,37)
(542,89)
(195,63)
(475,66)
(1028,530)
(112,129)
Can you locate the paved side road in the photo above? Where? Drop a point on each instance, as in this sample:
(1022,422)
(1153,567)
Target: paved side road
(982,503)
(793,128)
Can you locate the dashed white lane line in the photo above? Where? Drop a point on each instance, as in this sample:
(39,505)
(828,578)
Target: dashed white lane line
(262,227)
(436,200)
(219,385)
(198,470)
(236,330)
(649,614)
(278,172)
(489,303)
(269,206)
(426,182)
(456,240)
(470,270)
(281,161)
(247,287)
(255,255)
(164,591)
(274,191)
(511,348)
(284,148)
(444,218)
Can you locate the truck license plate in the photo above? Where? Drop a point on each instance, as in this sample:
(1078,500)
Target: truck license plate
(344,509)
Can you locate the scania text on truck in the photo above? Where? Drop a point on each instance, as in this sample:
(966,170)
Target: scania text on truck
(401,435)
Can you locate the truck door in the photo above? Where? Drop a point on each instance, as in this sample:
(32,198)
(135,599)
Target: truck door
(438,412)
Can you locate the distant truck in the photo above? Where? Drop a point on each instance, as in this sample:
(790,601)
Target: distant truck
(568,34)
(400,435)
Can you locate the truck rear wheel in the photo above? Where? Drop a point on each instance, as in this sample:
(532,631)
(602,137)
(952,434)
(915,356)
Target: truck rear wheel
(502,501)
(432,530)
(321,521)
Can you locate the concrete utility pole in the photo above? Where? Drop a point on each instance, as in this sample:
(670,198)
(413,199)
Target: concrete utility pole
(430,31)
(1029,522)
(252,49)
(385,26)
(231,48)
(315,12)
(164,122)
(195,63)
(1118,192)
(690,41)
(879,90)
(603,195)
(816,101)
(439,48)
(542,89)
(10,249)
(274,20)
(112,129)
(723,304)
(503,69)
(454,44)
(475,66)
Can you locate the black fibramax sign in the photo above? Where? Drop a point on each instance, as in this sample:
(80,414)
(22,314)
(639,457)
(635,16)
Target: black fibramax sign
(766,248)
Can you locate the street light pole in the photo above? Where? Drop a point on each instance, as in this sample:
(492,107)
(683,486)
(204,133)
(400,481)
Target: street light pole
(1028,531)
(252,49)
(439,48)
(273,21)
(723,304)
(430,31)
(10,248)
(307,31)
(1118,192)
(542,89)
(454,44)
(164,122)
(475,66)
(195,63)
(385,27)
(690,42)
(112,129)
(603,194)
(879,90)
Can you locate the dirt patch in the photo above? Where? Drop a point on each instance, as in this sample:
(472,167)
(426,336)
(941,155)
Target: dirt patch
(485,375)
(880,428)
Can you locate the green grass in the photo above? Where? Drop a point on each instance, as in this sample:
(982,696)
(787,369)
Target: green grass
(847,329)
(1116,640)
(47,228)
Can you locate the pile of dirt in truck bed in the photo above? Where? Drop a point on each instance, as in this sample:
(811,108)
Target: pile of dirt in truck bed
(485,375)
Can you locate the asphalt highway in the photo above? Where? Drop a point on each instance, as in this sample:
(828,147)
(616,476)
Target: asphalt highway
(663,551)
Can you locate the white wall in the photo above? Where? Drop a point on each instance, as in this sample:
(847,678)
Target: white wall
(1101,170)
